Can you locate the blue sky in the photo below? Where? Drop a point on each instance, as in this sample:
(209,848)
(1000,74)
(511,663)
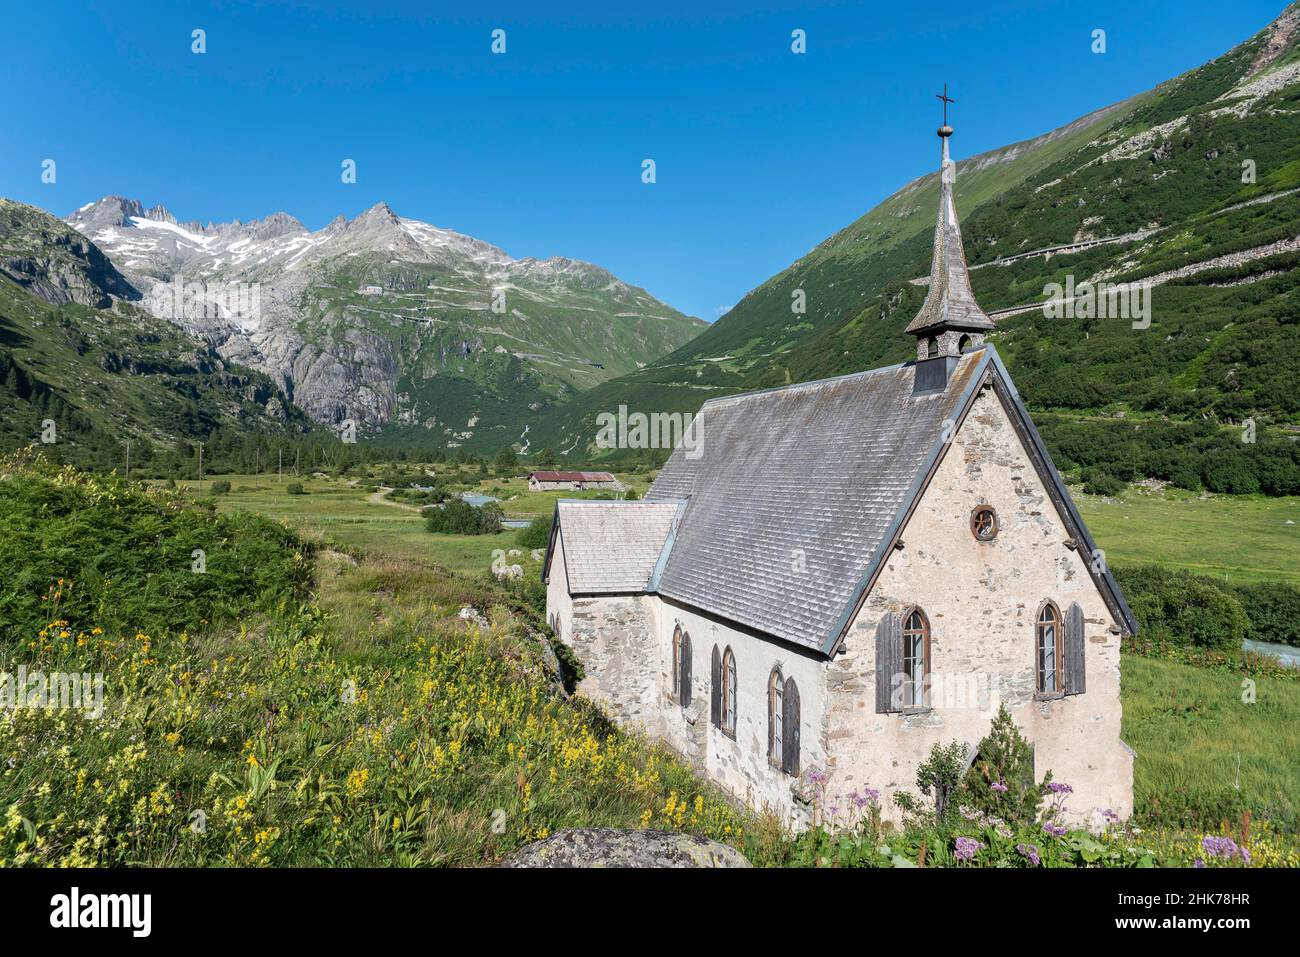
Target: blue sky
(760,153)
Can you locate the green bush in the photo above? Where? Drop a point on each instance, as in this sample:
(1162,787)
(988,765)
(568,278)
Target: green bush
(295,488)
(103,553)
(1274,611)
(1182,608)
(940,775)
(537,534)
(221,487)
(1099,482)
(458,517)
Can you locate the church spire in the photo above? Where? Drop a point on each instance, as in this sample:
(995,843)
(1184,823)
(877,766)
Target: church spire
(950,319)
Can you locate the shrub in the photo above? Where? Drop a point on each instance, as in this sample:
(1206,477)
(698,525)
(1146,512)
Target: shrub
(1183,608)
(1001,778)
(1274,611)
(1099,482)
(537,534)
(458,517)
(940,774)
(295,488)
(1228,471)
(221,487)
(103,553)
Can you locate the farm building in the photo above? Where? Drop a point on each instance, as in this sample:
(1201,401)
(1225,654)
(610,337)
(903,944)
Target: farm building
(546,481)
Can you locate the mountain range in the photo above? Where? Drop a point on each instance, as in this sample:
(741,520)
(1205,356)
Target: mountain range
(385,321)
(410,331)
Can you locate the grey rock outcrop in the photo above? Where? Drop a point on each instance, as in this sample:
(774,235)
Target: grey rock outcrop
(611,847)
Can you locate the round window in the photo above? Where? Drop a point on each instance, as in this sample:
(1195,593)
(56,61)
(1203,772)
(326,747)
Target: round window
(984,523)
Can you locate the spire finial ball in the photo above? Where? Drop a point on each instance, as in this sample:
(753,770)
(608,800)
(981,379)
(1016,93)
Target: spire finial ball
(945,131)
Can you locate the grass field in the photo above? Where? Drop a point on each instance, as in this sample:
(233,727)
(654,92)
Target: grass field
(1236,538)
(1201,746)
(338,511)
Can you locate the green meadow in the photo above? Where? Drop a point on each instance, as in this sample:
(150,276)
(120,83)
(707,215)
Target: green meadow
(1203,754)
(1240,539)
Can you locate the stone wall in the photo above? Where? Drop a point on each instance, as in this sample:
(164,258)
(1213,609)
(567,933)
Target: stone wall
(982,599)
(740,764)
(625,645)
(610,634)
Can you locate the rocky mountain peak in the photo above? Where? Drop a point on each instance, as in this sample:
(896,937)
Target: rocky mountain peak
(106,213)
(380,214)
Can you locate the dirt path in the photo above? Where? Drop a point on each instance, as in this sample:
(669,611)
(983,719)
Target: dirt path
(380,498)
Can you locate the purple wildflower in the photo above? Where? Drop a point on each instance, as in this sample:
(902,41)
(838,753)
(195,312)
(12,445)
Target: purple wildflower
(1219,846)
(966,848)
(1199,863)
(1055,829)
(1030,852)
(999,787)
(1060,787)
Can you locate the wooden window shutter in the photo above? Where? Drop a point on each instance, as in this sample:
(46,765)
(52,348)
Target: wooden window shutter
(686,670)
(1075,682)
(889,662)
(790,729)
(715,701)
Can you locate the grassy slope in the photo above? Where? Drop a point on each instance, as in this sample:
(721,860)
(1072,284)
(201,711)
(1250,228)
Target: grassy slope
(366,724)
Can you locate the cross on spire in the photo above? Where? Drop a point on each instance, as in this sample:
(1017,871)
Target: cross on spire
(945,130)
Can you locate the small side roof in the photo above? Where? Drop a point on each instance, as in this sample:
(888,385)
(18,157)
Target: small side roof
(611,547)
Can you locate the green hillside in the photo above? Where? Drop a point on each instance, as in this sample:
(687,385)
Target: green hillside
(1222,347)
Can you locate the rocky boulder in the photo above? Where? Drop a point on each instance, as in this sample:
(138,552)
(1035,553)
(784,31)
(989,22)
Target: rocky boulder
(611,847)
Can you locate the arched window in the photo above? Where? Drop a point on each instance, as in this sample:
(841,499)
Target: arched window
(963,344)
(931,347)
(916,659)
(775,716)
(1049,641)
(684,670)
(729,693)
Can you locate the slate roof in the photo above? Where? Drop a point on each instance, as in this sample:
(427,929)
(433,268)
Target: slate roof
(612,547)
(794,492)
(950,302)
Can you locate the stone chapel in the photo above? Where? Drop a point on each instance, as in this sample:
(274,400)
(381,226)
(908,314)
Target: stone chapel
(849,571)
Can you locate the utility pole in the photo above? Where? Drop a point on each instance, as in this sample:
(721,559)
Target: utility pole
(281,475)
(200,463)
(257,464)
(128,460)
(297,458)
